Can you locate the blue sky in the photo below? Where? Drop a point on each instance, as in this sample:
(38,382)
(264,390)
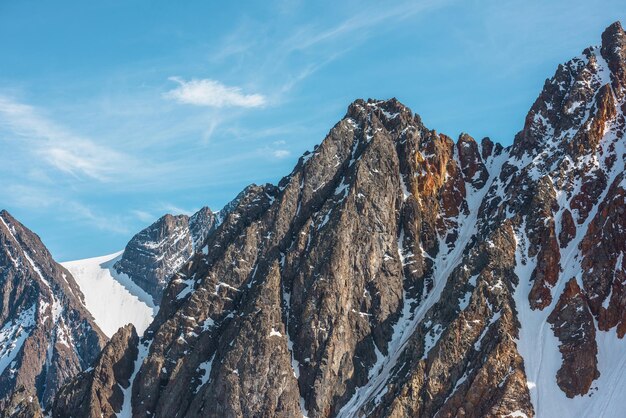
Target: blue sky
(115,113)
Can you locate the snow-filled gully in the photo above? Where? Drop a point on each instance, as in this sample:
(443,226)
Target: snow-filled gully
(444,264)
(537,343)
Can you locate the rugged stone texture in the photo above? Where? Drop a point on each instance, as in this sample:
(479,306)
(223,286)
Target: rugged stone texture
(98,391)
(155,253)
(201,224)
(568,229)
(47,336)
(548,256)
(471,161)
(573,325)
(468,366)
(284,306)
(614,51)
(604,278)
(397,273)
(563,180)
(21,404)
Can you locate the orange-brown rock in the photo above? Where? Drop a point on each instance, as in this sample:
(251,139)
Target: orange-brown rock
(583,202)
(604,109)
(573,325)
(373,281)
(603,265)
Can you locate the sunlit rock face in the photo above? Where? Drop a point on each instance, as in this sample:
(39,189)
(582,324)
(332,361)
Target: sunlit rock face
(395,272)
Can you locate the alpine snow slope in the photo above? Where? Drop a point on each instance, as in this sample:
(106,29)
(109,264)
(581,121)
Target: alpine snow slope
(395,272)
(126,287)
(111,297)
(89,301)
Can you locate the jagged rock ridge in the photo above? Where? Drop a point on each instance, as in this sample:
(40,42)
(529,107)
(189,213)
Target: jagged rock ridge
(126,287)
(397,273)
(46,334)
(99,390)
(155,253)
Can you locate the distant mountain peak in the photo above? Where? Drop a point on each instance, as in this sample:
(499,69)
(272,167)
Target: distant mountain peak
(156,252)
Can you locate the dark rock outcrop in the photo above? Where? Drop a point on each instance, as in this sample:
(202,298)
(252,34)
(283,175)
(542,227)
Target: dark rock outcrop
(158,251)
(47,336)
(573,325)
(99,391)
(22,404)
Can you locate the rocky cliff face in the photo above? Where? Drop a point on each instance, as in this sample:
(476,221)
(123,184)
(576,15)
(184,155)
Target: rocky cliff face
(397,273)
(100,390)
(46,336)
(22,404)
(155,253)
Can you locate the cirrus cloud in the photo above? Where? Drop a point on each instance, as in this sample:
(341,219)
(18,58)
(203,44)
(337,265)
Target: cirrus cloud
(212,93)
(281,153)
(59,147)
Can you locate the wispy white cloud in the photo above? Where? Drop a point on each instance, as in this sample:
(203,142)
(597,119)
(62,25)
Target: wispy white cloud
(281,153)
(143,216)
(109,160)
(59,147)
(304,47)
(37,198)
(104,222)
(276,150)
(212,93)
(155,211)
(359,24)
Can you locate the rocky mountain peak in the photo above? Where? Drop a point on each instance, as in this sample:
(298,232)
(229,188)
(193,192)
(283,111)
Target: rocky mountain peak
(155,253)
(614,52)
(395,272)
(200,225)
(103,389)
(579,113)
(282,283)
(391,114)
(47,335)
(471,159)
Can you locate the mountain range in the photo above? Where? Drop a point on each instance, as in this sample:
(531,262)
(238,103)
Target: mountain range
(394,272)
